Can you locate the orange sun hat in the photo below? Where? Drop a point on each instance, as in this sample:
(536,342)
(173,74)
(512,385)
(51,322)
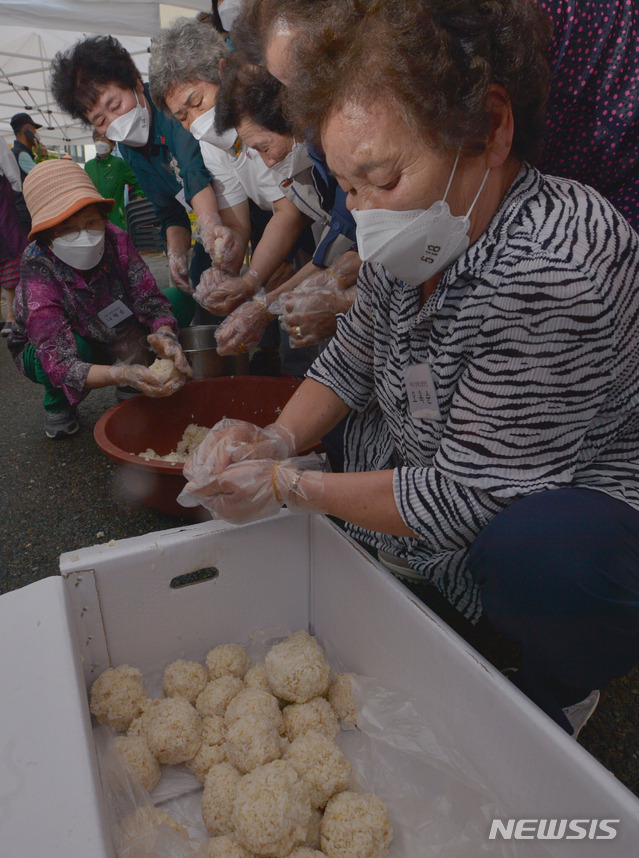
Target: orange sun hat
(56,189)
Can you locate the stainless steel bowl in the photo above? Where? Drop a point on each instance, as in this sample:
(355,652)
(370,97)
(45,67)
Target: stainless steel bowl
(199,346)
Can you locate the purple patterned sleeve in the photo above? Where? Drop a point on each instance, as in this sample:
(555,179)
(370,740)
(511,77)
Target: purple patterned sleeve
(49,331)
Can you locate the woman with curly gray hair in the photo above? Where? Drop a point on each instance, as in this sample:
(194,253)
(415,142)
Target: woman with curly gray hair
(489,363)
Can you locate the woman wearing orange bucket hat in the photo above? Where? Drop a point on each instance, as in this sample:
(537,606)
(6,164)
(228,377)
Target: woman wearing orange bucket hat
(86,300)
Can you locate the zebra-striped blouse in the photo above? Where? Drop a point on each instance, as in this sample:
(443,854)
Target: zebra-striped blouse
(533,344)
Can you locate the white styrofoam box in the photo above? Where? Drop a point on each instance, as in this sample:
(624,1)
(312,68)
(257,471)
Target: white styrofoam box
(291,571)
(50,797)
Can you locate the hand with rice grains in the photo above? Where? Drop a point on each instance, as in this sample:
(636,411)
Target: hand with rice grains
(311,310)
(244,328)
(220,243)
(231,441)
(234,472)
(142,378)
(253,489)
(219,293)
(167,346)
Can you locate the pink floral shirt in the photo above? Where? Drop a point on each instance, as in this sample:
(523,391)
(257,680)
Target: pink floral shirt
(54,302)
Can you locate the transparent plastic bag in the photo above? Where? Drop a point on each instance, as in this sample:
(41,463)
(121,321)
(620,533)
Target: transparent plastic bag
(137,829)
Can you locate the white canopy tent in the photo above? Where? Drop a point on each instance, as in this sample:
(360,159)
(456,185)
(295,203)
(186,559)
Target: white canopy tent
(33,31)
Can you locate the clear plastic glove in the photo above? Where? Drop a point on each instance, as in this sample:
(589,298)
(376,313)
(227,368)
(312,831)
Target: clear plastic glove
(309,312)
(244,328)
(166,345)
(141,378)
(221,295)
(253,489)
(232,441)
(179,270)
(219,242)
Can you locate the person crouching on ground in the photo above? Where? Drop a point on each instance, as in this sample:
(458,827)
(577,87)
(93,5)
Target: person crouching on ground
(87,304)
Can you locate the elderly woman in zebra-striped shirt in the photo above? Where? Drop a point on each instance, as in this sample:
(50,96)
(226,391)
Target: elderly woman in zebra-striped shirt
(490,364)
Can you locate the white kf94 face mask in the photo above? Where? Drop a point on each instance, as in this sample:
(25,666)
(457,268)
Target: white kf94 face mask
(82,251)
(417,244)
(132,127)
(203,128)
(297,160)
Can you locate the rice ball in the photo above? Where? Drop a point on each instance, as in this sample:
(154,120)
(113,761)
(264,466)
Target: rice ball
(224,846)
(227,659)
(271,810)
(212,730)
(184,679)
(207,756)
(165,370)
(118,696)
(321,765)
(254,701)
(138,755)
(218,252)
(136,727)
(256,677)
(252,741)
(356,825)
(173,730)
(317,715)
(297,669)
(220,786)
(217,695)
(340,696)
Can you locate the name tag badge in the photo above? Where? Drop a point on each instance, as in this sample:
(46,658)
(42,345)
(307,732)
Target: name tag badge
(422,396)
(114,314)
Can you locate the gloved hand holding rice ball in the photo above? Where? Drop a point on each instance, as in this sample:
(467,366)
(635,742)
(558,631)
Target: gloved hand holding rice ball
(241,472)
(167,374)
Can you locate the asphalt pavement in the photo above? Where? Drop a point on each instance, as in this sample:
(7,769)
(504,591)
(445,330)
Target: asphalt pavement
(58,496)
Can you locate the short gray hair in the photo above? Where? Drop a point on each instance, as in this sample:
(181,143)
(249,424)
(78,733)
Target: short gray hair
(186,51)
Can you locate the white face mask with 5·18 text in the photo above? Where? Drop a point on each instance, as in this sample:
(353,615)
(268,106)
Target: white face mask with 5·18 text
(417,244)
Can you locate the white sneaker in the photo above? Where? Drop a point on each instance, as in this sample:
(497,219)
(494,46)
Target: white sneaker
(580,712)
(61,424)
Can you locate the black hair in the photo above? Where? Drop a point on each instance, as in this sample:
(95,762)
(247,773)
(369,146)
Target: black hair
(217,21)
(78,73)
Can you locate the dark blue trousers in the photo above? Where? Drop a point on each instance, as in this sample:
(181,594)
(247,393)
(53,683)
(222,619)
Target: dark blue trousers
(559,574)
